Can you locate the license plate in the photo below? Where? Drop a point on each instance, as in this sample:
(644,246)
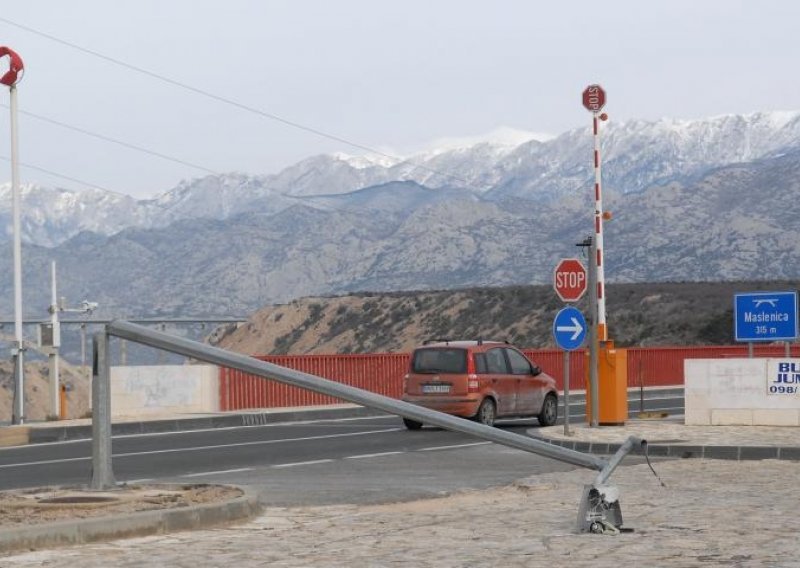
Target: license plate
(436,389)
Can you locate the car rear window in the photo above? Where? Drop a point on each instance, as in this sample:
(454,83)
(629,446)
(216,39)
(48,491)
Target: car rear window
(439,360)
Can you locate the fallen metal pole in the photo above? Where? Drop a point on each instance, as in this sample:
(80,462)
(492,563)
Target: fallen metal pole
(599,510)
(631,443)
(203,352)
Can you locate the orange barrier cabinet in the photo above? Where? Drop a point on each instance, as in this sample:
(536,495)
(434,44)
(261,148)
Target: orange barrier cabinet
(612,386)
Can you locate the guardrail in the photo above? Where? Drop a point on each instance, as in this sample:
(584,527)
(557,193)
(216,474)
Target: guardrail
(599,504)
(383,373)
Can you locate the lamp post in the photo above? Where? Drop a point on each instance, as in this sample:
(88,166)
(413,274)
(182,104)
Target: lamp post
(10,79)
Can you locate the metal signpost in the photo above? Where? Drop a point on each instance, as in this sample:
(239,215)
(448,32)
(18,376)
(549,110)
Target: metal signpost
(569,282)
(10,78)
(569,331)
(765,316)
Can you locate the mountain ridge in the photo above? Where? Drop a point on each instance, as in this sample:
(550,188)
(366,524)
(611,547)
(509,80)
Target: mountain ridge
(636,154)
(708,220)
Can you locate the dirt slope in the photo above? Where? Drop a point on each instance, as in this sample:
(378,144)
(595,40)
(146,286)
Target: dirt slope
(638,314)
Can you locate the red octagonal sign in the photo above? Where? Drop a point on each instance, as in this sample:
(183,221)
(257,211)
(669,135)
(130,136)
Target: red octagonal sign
(594,98)
(569,279)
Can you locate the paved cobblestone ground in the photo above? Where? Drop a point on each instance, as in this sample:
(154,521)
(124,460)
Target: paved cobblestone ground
(712,513)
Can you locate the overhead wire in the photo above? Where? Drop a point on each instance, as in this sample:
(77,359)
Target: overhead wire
(114,141)
(62,176)
(231,102)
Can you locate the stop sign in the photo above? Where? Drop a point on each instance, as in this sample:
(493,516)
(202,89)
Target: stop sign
(569,279)
(594,98)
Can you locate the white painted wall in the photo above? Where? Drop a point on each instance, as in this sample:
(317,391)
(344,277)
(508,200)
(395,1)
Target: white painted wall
(164,389)
(742,392)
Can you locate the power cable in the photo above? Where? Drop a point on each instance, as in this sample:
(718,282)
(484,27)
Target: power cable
(115,141)
(228,101)
(62,176)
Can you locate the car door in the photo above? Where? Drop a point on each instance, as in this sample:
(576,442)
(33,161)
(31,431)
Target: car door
(501,381)
(529,388)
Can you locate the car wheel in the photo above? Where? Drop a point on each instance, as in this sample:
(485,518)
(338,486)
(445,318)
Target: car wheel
(412,424)
(486,412)
(549,413)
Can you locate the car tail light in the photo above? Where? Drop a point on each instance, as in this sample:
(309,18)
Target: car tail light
(472,378)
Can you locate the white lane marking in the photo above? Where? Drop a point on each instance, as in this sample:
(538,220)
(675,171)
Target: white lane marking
(143,480)
(197,431)
(216,446)
(453,447)
(219,472)
(45,462)
(313,462)
(366,456)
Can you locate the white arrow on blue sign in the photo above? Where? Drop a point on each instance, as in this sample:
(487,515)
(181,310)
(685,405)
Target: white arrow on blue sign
(569,328)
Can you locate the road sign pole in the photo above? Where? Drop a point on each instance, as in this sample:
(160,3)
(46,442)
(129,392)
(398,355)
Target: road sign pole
(593,347)
(569,331)
(566,392)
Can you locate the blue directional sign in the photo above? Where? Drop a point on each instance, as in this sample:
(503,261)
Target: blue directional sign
(765,316)
(569,328)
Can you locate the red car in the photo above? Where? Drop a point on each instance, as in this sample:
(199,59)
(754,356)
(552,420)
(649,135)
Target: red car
(482,380)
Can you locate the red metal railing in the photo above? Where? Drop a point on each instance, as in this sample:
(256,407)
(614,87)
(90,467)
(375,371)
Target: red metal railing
(380,373)
(383,373)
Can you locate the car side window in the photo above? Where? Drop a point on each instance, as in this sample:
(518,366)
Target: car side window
(480,363)
(496,362)
(519,364)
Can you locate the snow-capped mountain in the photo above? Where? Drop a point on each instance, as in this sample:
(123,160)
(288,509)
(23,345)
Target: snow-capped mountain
(636,155)
(692,200)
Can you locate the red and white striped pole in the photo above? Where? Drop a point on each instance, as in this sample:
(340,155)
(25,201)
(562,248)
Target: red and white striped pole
(594,99)
(602,329)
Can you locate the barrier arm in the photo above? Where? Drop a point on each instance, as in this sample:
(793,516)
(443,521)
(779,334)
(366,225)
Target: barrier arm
(250,365)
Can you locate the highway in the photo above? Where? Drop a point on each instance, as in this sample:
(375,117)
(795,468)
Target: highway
(360,460)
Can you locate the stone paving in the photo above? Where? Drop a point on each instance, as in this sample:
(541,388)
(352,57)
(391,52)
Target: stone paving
(711,513)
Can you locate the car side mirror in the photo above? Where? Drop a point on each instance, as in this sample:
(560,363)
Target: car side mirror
(535,371)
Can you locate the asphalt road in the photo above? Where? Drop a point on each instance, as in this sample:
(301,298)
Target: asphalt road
(364,460)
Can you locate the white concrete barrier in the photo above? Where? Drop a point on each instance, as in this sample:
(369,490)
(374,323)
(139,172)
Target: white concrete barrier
(751,392)
(164,389)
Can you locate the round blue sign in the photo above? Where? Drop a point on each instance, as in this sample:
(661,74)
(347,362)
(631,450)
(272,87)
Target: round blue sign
(569,328)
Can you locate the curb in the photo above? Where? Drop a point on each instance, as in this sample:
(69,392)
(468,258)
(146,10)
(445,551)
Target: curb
(740,453)
(44,434)
(143,523)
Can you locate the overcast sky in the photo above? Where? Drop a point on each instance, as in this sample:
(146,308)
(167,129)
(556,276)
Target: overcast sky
(388,75)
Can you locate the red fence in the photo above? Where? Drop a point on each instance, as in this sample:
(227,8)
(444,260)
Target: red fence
(380,373)
(383,373)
